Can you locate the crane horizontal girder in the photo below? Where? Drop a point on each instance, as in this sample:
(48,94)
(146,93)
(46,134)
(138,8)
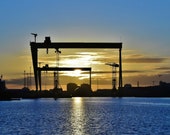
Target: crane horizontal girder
(77,45)
(64,68)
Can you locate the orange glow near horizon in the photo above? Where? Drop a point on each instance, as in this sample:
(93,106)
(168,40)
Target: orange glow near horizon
(135,68)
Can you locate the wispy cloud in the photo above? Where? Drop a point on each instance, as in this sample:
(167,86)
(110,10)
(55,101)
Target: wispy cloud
(144,60)
(109,72)
(162,68)
(137,58)
(18,81)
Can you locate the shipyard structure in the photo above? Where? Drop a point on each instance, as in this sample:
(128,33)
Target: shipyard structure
(73,90)
(47,44)
(56,91)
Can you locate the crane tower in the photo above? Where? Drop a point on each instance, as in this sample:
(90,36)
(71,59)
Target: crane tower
(114,66)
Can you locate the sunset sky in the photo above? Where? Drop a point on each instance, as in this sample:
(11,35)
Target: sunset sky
(143,26)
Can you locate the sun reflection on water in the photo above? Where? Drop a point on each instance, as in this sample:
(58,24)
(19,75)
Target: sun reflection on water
(77,100)
(77,117)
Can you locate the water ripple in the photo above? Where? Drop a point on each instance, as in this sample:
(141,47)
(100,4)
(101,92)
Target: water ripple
(86,116)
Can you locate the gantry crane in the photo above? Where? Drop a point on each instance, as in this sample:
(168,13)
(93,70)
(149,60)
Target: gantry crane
(47,44)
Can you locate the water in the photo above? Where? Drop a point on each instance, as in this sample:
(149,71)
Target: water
(86,116)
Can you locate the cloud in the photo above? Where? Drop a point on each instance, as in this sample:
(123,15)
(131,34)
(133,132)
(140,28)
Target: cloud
(137,58)
(144,60)
(162,68)
(18,81)
(133,71)
(124,71)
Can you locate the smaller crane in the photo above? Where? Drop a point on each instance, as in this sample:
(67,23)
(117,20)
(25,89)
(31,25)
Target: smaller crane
(114,66)
(35,35)
(39,63)
(56,74)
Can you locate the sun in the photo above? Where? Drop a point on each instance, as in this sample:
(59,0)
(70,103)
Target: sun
(76,73)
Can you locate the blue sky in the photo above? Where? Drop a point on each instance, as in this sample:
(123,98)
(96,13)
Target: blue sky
(142,26)
(134,21)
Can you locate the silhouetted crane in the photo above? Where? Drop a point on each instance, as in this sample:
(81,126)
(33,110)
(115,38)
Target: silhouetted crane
(39,63)
(56,74)
(35,35)
(114,66)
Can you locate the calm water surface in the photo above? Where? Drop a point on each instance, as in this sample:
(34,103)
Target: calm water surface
(86,116)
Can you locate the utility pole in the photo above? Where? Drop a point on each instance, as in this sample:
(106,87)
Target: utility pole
(24,79)
(30,78)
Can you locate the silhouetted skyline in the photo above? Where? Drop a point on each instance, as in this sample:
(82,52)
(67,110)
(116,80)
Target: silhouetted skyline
(142,27)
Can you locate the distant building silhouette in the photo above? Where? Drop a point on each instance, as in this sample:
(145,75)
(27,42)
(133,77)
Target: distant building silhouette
(71,88)
(2,85)
(128,85)
(164,84)
(83,90)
